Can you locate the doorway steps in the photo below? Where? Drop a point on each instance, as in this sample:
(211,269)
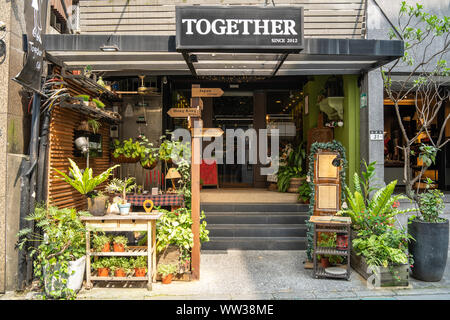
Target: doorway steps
(255,226)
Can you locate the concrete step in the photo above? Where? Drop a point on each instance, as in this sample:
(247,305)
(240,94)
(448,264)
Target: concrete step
(256,217)
(254,207)
(255,243)
(257,230)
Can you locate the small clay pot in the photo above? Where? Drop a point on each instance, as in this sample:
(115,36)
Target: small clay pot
(139,272)
(103,272)
(167,279)
(106,247)
(118,247)
(120,273)
(325,262)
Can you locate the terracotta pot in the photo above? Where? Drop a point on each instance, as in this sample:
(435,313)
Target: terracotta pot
(118,247)
(139,272)
(120,273)
(325,262)
(167,279)
(103,272)
(106,247)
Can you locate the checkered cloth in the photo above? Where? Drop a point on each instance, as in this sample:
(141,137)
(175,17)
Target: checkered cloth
(158,200)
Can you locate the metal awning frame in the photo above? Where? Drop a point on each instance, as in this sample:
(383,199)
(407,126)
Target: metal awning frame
(158,55)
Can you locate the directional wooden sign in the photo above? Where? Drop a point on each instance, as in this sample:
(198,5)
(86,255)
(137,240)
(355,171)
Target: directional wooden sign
(207,92)
(184,112)
(208,132)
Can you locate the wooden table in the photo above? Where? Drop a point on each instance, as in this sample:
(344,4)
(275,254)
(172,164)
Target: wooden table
(118,223)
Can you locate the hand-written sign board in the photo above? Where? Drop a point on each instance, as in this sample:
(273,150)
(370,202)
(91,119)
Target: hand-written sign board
(206,92)
(184,112)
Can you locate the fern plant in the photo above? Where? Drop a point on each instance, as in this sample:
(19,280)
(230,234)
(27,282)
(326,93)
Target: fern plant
(84,182)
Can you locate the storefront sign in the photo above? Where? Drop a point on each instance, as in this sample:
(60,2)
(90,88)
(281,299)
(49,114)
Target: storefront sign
(240,28)
(35,13)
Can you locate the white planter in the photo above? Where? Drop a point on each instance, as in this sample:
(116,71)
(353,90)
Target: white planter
(74,280)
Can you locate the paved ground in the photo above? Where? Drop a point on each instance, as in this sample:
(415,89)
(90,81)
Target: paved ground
(249,275)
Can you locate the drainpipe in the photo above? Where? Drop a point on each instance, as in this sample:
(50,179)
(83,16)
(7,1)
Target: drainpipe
(42,161)
(28,191)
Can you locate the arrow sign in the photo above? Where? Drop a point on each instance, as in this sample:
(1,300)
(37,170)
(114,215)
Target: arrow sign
(183,112)
(208,132)
(206,92)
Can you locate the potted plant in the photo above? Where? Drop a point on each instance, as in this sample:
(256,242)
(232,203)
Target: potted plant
(167,271)
(102,265)
(59,251)
(148,154)
(327,241)
(84,98)
(85,183)
(120,266)
(304,192)
(140,266)
(101,243)
(289,175)
(127,151)
(123,187)
(430,233)
(120,243)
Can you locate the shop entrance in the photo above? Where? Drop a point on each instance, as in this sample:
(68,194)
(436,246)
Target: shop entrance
(234,111)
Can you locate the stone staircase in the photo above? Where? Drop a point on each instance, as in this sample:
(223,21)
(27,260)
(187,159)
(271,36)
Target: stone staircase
(255,226)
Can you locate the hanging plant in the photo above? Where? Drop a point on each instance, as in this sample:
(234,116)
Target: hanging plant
(315,147)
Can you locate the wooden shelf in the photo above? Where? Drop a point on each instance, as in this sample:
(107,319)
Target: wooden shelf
(133,251)
(109,278)
(92,86)
(94,112)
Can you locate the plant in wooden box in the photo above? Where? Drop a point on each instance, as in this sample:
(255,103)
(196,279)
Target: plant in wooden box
(289,175)
(430,233)
(102,265)
(377,244)
(101,243)
(140,266)
(126,151)
(148,153)
(120,243)
(122,186)
(167,271)
(120,266)
(57,247)
(85,183)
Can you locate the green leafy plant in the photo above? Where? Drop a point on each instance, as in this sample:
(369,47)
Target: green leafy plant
(120,263)
(84,97)
(94,125)
(173,150)
(84,182)
(122,186)
(61,239)
(101,263)
(304,192)
(431,204)
(98,103)
(147,152)
(121,240)
(128,148)
(140,262)
(165,269)
(174,228)
(386,249)
(292,168)
(99,241)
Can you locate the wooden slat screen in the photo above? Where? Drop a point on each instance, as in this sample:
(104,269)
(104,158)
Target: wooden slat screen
(61,147)
(323,18)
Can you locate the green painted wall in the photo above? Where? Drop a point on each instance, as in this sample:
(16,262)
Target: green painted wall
(348,134)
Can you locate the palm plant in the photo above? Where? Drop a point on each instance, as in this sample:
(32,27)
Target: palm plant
(122,186)
(84,182)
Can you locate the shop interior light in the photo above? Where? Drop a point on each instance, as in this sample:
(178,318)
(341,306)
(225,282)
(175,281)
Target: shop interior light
(109,48)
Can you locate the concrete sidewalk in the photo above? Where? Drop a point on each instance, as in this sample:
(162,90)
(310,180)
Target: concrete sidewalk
(249,275)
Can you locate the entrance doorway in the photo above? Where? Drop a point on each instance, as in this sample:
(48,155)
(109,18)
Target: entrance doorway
(234,112)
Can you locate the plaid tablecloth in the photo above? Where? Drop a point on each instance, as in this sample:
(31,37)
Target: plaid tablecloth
(158,200)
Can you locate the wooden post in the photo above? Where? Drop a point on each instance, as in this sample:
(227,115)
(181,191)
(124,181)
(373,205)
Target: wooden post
(88,260)
(150,269)
(197,124)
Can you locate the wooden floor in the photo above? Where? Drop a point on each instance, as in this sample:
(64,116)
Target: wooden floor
(246,195)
